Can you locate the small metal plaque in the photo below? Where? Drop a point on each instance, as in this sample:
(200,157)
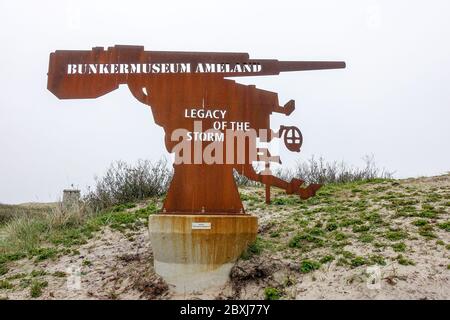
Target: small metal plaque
(201,225)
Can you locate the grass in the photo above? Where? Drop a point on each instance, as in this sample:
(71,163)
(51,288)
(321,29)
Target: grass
(17,276)
(25,283)
(36,288)
(404,261)
(26,236)
(5,285)
(23,234)
(420,222)
(272,293)
(377,259)
(285,201)
(309,238)
(361,228)
(445,225)
(317,170)
(377,215)
(399,247)
(395,235)
(42,254)
(358,261)
(10,212)
(59,274)
(307,266)
(326,259)
(340,236)
(46,231)
(254,248)
(38,273)
(331,226)
(427,231)
(366,238)
(306,240)
(32,280)
(86,263)
(3,269)
(8,257)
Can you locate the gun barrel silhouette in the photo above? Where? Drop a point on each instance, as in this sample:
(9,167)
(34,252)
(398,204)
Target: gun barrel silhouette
(74,74)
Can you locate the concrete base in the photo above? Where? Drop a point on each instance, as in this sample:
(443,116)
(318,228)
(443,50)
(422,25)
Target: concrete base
(196,252)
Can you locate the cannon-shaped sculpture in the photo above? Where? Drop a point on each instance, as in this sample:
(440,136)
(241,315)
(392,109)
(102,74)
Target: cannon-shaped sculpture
(189,95)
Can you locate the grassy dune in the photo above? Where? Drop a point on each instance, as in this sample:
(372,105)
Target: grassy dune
(393,224)
(9,211)
(320,248)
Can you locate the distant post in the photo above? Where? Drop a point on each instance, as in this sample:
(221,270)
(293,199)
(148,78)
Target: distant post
(71,199)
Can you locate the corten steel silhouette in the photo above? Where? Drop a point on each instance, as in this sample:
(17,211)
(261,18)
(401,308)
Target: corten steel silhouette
(172,84)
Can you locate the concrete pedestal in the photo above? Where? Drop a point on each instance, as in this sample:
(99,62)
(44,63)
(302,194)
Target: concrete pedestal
(196,252)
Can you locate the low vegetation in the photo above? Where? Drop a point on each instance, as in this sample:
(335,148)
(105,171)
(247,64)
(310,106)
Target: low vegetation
(317,170)
(359,218)
(353,225)
(124,183)
(272,293)
(11,212)
(51,235)
(320,171)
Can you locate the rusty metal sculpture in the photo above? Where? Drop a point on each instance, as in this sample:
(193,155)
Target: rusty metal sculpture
(177,85)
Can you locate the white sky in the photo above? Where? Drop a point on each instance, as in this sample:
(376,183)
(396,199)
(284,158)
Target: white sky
(392,101)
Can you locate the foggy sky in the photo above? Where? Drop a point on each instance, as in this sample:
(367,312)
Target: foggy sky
(391,101)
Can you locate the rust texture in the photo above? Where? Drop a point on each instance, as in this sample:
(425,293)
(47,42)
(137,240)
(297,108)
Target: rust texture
(228,237)
(172,83)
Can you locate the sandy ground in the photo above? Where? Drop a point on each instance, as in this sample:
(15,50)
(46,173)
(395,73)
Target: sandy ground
(113,266)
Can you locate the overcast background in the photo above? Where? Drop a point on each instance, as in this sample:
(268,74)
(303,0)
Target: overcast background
(392,101)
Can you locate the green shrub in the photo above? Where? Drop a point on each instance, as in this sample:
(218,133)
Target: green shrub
(5,284)
(24,233)
(59,274)
(86,263)
(395,235)
(38,273)
(319,171)
(44,253)
(404,261)
(366,237)
(272,293)
(377,259)
(358,261)
(427,231)
(420,222)
(339,236)
(274,234)
(253,249)
(36,288)
(331,226)
(3,269)
(307,266)
(445,225)
(399,247)
(124,183)
(311,236)
(326,259)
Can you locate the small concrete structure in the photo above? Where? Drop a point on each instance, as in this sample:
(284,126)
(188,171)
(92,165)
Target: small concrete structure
(71,198)
(196,252)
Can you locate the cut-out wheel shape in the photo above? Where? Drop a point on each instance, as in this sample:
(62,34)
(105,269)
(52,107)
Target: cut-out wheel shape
(293,138)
